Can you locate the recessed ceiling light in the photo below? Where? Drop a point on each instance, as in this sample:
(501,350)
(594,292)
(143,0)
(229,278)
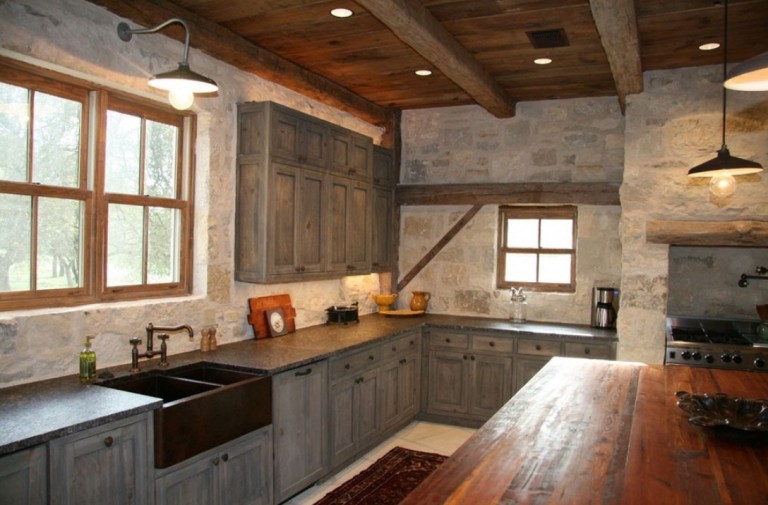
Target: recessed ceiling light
(341,13)
(423,73)
(542,61)
(709,46)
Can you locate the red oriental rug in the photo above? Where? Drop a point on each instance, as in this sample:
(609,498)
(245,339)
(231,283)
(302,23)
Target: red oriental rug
(387,481)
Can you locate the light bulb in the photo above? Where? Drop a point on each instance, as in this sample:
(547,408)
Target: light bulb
(722,184)
(181,99)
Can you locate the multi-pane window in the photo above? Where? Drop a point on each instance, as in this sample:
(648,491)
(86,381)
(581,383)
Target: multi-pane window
(537,248)
(94,194)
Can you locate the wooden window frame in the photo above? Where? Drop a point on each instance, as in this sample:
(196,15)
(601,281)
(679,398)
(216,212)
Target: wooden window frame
(96,101)
(535,212)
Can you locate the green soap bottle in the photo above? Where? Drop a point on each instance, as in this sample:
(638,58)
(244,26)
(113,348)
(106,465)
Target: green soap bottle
(87,361)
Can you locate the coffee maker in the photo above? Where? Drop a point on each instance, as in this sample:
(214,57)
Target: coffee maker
(604,302)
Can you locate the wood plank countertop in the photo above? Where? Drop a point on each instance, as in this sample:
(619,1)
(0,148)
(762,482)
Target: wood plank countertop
(606,432)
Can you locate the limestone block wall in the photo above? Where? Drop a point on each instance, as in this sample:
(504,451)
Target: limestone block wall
(79,38)
(550,141)
(674,125)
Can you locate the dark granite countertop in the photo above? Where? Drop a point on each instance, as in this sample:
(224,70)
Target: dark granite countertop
(34,413)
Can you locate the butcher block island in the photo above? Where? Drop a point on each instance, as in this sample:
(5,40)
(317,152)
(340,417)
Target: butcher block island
(600,432)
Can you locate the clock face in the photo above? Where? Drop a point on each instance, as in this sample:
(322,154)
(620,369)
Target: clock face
(276,321)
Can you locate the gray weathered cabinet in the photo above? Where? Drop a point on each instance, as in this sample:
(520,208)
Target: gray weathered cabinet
(304,197)
(300,425)
(400,374)
(107,464)
(236,473)
(24,477)
(382,251)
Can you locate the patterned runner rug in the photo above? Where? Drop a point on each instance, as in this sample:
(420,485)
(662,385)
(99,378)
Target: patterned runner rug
(387,481)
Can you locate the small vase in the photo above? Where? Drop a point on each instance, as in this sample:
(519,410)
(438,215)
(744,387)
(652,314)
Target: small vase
(420,300)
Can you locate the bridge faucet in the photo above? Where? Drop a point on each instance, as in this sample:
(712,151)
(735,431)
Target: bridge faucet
(150,352)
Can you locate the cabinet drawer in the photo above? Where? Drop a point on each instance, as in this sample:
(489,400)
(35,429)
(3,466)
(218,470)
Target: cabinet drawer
(355,362)
(538,347)
(493,344)
(448,340)
(398,346)
(579,350)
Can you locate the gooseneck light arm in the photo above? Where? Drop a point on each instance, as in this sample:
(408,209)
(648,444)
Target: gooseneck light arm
(125,33)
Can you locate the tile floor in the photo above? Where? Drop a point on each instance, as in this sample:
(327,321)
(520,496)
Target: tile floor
(419,435)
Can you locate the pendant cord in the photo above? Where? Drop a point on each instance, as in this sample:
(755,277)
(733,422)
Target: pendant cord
(725,62)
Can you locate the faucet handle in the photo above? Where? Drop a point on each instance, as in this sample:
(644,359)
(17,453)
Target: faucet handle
(134,341)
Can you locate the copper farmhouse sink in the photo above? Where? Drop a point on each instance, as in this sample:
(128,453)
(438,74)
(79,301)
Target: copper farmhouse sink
(204,406)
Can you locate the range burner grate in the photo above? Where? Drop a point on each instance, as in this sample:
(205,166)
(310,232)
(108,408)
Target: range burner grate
(708,336)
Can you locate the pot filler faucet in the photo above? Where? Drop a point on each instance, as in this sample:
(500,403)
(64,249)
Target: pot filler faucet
(761,274)
(151,329)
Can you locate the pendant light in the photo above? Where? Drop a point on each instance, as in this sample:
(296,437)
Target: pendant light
(723,167)
(749,75)
(181,84)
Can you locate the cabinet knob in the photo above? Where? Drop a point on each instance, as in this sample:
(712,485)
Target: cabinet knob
(359,380)
(109,441)
(586,350)
(472,358)
(538,347)
(350,267)
(492,343)
(216,461)
(371,358)
(466,357)
(394,349)
(225,457)
(447,340)
(403,361)
(347,366)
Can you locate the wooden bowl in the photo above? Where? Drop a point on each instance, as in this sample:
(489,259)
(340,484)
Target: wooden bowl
(384,301)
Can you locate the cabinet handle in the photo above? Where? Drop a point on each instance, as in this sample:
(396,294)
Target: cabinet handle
(359,380)
(370,358)
(350,267)
(225,457)
(472,358)
(492,343)
(305,372)
(394,349)
(447,340)
(412,342)
(108,442)
(403,361)
(586,350)
(375,263)
(538,347)
(466,357)
(347,366)
(352,171)
(216,461)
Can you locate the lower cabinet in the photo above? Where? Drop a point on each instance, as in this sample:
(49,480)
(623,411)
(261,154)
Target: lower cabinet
(300,425)
(107,464)
(526,368)
(355,419)
(23,477)
(236,473)
(400,381)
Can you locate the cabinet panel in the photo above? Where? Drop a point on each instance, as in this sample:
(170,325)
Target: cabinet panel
(351,154)
(383,167)
(492,382)
(23,477)
(355,363)
(538,347)
(300,420)
(448,381)
(190,483)
(525,369)
(298,138)
(350,232)
(495,344)
(383,229)
(109,464)
(309,232)
(595,351)
(448,339)
(246,471)
(355,419)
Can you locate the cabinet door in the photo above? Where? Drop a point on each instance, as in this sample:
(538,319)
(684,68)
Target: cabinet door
(367,408)
(350,233)
(399,389)
(299,139)
(355,419)
(383,229)
(245,476)
(298,207)
(109,464)
(525,369)
(300,417)
(383,167)
(448,381)
(23,477)
(190,483)
(491,383)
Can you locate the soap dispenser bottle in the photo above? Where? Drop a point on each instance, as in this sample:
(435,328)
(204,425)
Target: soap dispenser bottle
(87,361)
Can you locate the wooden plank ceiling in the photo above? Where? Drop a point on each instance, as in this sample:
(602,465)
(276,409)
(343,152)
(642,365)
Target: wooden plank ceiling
(480,51)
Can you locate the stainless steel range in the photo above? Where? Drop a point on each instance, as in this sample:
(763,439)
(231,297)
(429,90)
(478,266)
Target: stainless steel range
(715,343)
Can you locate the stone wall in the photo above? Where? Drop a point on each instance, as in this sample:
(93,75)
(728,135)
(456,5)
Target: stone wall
(548,141)
(79,38)
(674,125)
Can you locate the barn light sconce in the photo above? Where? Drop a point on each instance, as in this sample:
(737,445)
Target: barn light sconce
(749,75)
(723,167)
(181,84)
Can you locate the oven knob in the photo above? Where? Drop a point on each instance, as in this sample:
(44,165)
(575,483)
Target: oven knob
(737,358)
(709,358)
(759,362)
(725,358)
(686,354)
(697,356)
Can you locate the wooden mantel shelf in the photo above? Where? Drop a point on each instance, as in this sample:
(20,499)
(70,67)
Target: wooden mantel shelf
(708,233)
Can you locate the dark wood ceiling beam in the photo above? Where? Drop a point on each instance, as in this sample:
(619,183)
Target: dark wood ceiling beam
(412,23)
(616,23)
(586,193)
(226,46)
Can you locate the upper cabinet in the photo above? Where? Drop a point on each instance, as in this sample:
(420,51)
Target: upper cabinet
(305,204)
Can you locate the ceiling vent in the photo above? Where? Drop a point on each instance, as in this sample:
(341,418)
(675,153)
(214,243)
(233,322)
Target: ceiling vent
(543,39)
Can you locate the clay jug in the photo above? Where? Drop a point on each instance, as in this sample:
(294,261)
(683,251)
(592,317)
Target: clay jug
(420,300)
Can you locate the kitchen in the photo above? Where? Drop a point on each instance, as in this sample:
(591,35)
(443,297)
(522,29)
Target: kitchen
(670,126)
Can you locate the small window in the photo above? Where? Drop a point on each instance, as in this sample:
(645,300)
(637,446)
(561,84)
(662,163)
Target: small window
(537,248)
